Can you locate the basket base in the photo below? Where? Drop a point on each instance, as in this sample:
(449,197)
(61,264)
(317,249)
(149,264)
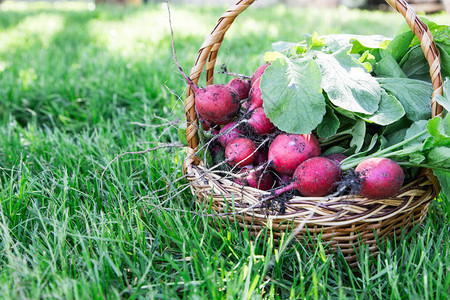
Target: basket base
(346,241)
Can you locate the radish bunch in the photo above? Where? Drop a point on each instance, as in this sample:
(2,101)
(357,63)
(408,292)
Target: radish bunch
(319,90)
(266,158)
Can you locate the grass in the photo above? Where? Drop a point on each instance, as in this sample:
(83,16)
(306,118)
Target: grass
(75,84)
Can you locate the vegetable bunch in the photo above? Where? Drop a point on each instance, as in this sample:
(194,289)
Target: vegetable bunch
(330,106)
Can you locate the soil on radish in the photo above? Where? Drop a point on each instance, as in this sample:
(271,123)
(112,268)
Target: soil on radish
(277,205)
(350,183)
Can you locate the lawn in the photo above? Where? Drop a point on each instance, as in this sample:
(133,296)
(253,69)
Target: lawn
(80,86)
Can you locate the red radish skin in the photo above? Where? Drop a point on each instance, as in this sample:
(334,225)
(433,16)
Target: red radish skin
(337,157)
(258,73)
(262,158)
(381,177)
(216,103)
(205,124)
(288,151)
(260,180)
(255,97)
(242,86)
(316,177)
(241,152)
(284,179)
(227,134)
(259,123)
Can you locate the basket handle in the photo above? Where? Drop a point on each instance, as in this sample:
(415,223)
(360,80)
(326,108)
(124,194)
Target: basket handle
(208,53)
(429,48)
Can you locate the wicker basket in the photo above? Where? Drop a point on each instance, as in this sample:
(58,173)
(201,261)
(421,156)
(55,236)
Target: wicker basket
(341,222)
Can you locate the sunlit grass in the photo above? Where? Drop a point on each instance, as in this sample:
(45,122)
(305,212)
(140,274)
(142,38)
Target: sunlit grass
(27,6)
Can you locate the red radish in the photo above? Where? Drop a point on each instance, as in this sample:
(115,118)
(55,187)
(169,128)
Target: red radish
(259,123)
(258,72)
(263,156)
(205,124)
(216,103)
(263,181)
(337,157)
(242,86)
(228,133)
(254,96)
(284,179)
(316,177)
(288,151)
(380,177)
(241,152)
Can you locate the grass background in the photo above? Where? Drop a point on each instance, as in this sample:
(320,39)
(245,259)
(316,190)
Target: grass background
(76,87)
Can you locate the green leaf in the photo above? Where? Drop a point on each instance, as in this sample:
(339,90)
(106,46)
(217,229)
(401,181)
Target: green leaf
(395,137)
(444,181)
(415,65)
(416,158)
(445,99)
(359,43)
(347,83)
(313,41)
(416,128)
(367,60)
(329,125)
(389,111)
(271,56)
(414,95)
(403,123)
(447,124)
(292,96)
(333,150)
(439,156)
(345,113)
(182,126)
(388,67)
(444,51)
(358,134)
(437,130)
(363,43)
(281,46)
(399,45)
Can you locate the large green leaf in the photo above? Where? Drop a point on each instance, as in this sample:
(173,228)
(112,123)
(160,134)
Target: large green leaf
(389,111)
(347,83)
(291,93)
(414,95)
